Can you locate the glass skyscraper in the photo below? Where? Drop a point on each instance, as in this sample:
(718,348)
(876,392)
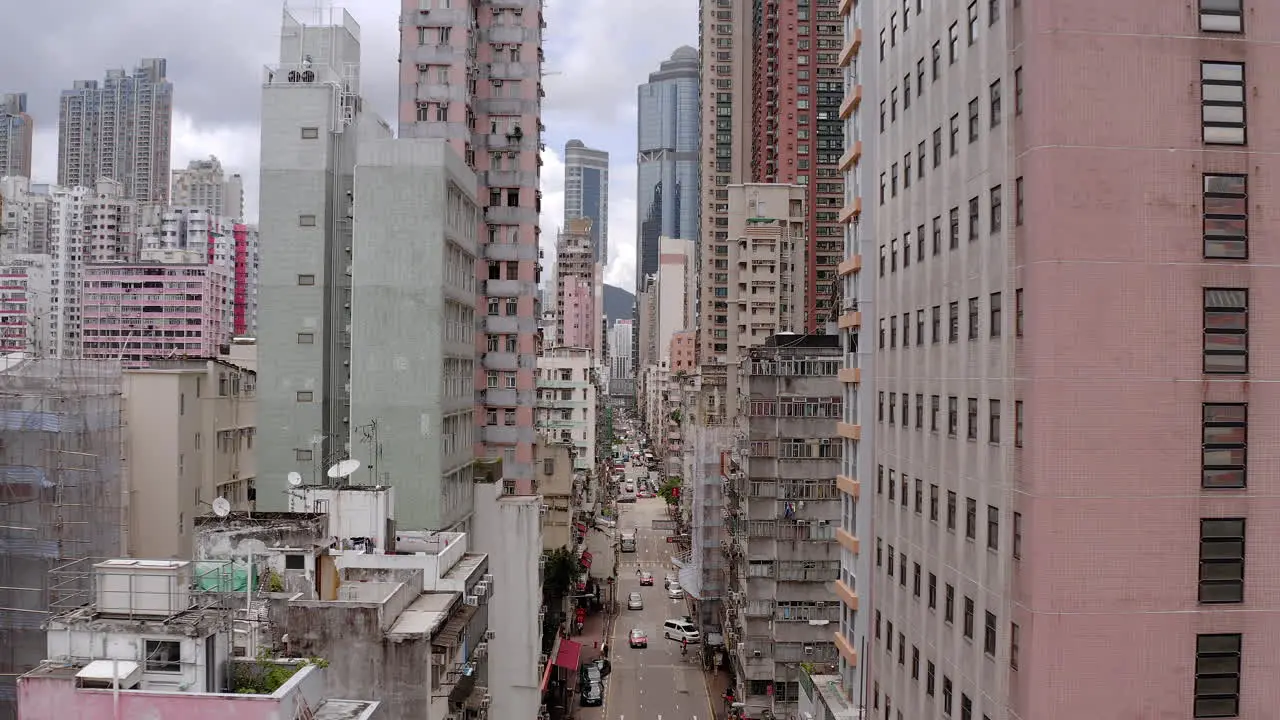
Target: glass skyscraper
(667,135)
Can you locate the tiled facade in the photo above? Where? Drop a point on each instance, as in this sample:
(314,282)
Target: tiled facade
(471,73)
(133,312)
(1070,284)
(796,134)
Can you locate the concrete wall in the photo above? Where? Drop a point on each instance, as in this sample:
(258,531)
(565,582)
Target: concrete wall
(163,471)
(508,528)
(413,299)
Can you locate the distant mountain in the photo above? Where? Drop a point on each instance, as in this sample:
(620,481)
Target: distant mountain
(617,303)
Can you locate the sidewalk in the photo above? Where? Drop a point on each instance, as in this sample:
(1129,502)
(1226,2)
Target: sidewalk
(595,635)
(717,684)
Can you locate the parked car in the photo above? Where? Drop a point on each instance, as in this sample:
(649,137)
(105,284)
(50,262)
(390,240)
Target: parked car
(592,695)
(626,498)
(646,494)
(635,602)
(646,578)
(674,591)
(638,639)
(681,630)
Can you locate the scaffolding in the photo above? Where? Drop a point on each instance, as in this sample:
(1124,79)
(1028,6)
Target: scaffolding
(61,492)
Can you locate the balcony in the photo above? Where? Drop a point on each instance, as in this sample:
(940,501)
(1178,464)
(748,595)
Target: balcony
(561,403)
(500,435)
(508,70)
(504,215)
(506,288)
(849,375)
(509,178)
(852,99)
(434,54)
(501,361)
(509,106)
(847,540)
(504,252)
(501,324)
(849,431)
(509,33)
(845,648)
(849,266)
(851,156)
(557,383)
(851,48)
(850,212)
(846,594)
(850,320)
(495,397)
(438,92)
(849,486)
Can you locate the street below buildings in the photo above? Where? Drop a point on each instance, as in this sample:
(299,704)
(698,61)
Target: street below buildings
(655,682)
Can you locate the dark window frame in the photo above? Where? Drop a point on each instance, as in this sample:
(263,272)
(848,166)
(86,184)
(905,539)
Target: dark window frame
(1226,216)
(1224,427)
(1217,670)
(1221,306)
(1218,98)
(1222,561)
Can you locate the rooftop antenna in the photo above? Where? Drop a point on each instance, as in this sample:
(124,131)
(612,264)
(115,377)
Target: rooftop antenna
(221,507)
(369,437)
(343,469)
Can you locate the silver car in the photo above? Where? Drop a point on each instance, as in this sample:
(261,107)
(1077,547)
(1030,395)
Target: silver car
(634,601)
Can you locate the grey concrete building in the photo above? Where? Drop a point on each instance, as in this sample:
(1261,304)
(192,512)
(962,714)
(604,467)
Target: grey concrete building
(120,129)
(586,192)
(310,122)
(413,298)
(16,133)
(782,510)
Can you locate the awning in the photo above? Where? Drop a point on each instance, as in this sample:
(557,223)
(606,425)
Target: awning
(586,560)
(546,674)
(580,527)
(569,654)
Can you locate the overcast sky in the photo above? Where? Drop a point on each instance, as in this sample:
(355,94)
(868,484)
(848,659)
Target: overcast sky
(601,50)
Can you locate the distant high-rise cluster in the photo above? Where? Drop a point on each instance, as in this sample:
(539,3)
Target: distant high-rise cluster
(16,133)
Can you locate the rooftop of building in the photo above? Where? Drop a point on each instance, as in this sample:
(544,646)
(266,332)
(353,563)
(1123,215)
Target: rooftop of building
(827,691)
(786,341)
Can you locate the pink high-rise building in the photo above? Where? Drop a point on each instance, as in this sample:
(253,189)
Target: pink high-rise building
(1067,254)
(579,289)
(135,312)
(471,73)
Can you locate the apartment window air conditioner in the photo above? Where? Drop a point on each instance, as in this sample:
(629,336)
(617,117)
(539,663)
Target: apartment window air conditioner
(472,600)
(423,67)
(488,577)
(519,11)
(489,634)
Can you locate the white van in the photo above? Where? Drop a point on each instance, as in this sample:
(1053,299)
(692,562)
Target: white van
(680,630)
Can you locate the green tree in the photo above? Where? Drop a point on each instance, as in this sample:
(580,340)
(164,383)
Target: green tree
(562,571)
(668,490)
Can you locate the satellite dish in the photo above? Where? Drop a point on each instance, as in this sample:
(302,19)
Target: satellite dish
(295,479)
(343,469)
(221,507)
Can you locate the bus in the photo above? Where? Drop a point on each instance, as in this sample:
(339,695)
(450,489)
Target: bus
(627,541)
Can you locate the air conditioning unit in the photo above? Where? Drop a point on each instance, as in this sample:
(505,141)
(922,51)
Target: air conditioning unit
(423,67)
(484,701)
(481,588)
(489,634)
(488,578)
(519,11)
(472,600)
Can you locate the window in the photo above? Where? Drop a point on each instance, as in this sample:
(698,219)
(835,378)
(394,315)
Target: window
(1017,312)
(946,695)
(1226,217)
(993,11)
(915,662)
(973,120)
(915,580)
(1222,560)
(953,413)
(933,591)
(993,527)
(929,678)
(305,396)
(302,455)
(306,279)
(993,422)
(920,77)
(953,43)
(1222,103)
(164,656)
(966,707)
(933,502)
(954,240)
(1017,423)
(1017,536)
(970,519)
(968,618)
(919,509)
(993,312)
(971,419)
(1218,675)
(1222,16)
(1225,433)
(973,318)
(306,338)
(933,413)
(1017,91)
(1015,635)
(994,96)
(1017,202)
(954,128)
(1226,331)
(953,322)
(937,147)
(973,22)
(949,604)
(936,61)
(306,221)
(920,154)
(310,133)
(997,202)
(951,510)
(906,92)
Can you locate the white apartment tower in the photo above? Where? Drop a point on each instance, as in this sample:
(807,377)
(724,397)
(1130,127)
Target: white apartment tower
(310,119)
(586,192)
(203,184)
(119,129)
(24,216)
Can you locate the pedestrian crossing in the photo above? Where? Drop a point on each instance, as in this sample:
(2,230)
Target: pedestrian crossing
(648,564)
